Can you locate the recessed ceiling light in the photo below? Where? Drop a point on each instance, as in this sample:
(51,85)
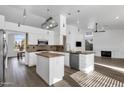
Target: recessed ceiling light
(24,13)
(47,27)
(88,27)
(51,25)
(117,17)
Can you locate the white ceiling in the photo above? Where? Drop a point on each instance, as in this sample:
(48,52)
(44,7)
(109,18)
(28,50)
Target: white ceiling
(36,14)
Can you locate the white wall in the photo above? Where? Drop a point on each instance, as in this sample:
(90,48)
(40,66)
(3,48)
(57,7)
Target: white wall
(72,36)
(11,51)
(10,40)
(2,22)
(111,40)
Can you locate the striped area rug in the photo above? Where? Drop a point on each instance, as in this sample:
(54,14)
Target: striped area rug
(95,79)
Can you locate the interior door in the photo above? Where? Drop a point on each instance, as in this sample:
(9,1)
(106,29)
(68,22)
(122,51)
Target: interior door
(1,57)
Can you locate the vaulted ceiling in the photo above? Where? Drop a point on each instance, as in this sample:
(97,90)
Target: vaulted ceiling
(110,16)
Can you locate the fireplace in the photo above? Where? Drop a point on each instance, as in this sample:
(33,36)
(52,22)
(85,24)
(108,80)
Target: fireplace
(106,53)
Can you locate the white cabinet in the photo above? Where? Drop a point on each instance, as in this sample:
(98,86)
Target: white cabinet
(51,38)
(86,62)
(46,35)
(67,59)
(30,58)
(2,22)
(51,70)
(32,39)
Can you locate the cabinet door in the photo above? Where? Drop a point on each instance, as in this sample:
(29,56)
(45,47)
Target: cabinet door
(32,38)
(74,61)
(67,59)
(26,58)
(51,38)
(32,59)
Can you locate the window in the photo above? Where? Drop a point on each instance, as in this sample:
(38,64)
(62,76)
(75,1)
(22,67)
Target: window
(20,41)
(89,34)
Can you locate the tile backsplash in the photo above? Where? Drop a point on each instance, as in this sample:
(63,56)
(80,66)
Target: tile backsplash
(33,48)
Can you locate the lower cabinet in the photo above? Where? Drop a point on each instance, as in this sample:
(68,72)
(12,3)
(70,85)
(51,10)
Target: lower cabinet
(51,70)
(31,59)
(67,59)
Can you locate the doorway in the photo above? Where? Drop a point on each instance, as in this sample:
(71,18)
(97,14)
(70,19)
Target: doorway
(89,44)
(16,41)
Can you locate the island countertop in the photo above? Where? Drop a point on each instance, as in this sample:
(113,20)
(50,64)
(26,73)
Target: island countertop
(48,54)
(79,52)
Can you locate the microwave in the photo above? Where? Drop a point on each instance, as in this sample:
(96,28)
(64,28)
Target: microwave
(42,42)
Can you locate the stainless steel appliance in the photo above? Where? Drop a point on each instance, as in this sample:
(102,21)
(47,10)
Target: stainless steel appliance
(42,42)
(74,60)
(3,55)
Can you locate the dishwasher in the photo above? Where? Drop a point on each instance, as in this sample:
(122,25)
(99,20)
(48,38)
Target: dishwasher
(74,61)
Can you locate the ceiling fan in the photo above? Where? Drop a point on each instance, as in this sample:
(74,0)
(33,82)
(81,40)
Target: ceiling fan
(49,23)
(96,29)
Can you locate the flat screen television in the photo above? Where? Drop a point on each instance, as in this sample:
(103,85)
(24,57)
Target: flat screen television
(78,44)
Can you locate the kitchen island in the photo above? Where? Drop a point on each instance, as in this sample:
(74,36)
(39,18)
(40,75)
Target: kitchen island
(86,61)
(50,67)
(83,61)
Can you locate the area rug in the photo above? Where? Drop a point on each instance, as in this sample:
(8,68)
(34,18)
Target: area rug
(95,79)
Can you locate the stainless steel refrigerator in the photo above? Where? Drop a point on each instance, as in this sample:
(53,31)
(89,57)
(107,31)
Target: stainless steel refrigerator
(3,55)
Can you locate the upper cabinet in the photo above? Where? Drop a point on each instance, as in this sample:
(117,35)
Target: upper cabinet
(43,36)
(51,38)
(2,22)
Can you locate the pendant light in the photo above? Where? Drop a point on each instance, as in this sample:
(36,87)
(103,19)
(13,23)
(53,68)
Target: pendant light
(24,13)
(23,19)
(24,16)
(78,11)
(49,22)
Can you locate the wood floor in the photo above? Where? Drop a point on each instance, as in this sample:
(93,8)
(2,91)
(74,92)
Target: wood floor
(109,71)
(19,75)
(110,61)
(95,79)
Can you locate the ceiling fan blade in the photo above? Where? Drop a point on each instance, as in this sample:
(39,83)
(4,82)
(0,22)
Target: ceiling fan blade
(99,31)
(102,31)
